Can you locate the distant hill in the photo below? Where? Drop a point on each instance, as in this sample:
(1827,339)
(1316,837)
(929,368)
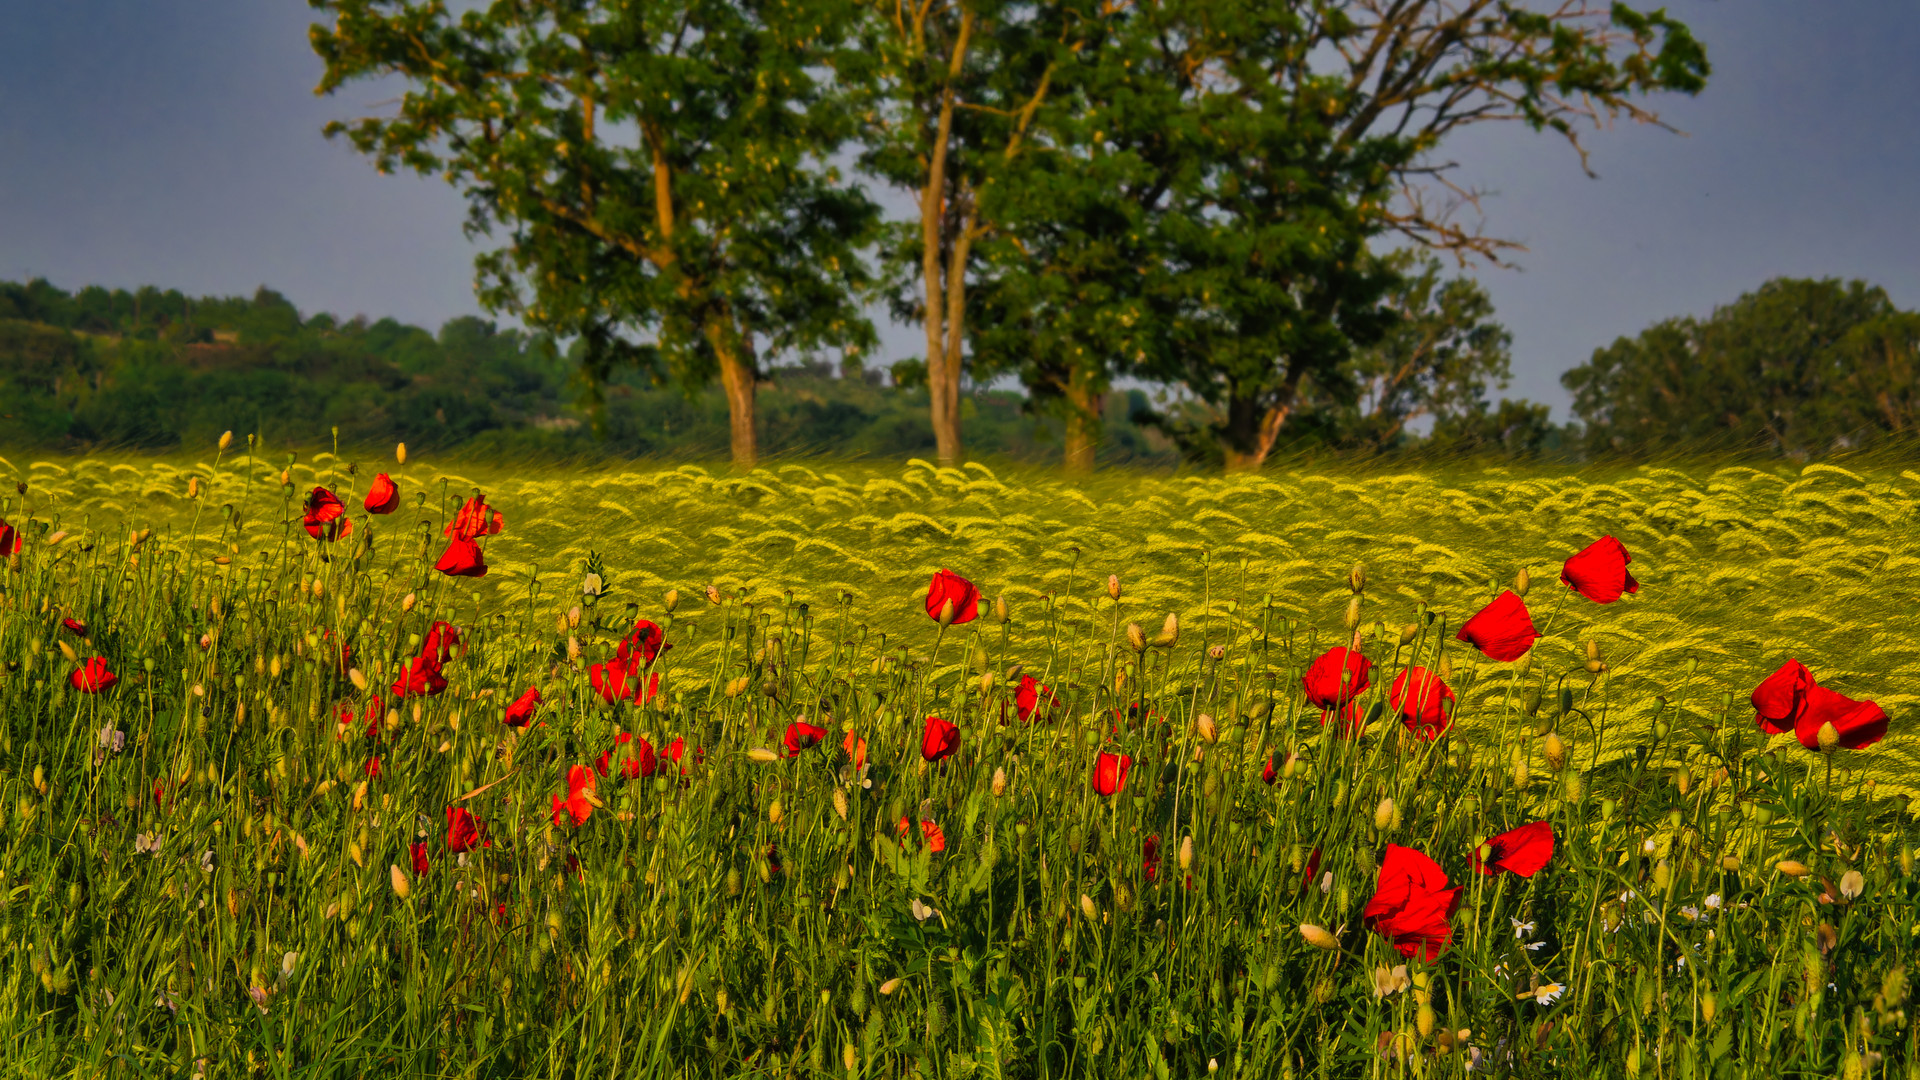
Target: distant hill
(153,369)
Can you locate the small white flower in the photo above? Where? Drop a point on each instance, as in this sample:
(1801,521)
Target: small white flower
(1520,929)
(206,861)
(1649,846)
(112,740)
(147,844)
(591,585)
(1692,913)
(286,964)
(1628,895)
(1548,993)
(1712,902)
(1326,883)
(1535,946)
(921,911)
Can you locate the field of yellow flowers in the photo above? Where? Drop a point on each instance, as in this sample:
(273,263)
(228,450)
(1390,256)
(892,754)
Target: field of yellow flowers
(330,767)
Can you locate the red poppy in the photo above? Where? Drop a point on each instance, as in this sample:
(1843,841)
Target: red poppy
(419,852)
(618,680)
(1502,630)
(1412,907)
(1521,851)
(420,678)
(441,640)
(640,762)
(372,768)
(678,748)
(383,495)
(1351,718)
(9,539)
(1269,774)
(1110,773)
(1150,857)
(1032,697)
(856,748)
(1599,573)
(1425,704)
(1336,678)
(325,517)
(463,558)
(475,519)
(936,840)
(1312,871)
(940,739)
(802,735)
(574,808)
(93,676)
(464,831)
(949,587)
(521,711)
(646,642)
(1790,700)
(78,628)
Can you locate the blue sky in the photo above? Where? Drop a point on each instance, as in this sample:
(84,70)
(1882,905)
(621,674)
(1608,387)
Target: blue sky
(177,143)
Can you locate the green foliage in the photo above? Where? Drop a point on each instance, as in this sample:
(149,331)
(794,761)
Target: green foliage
(200,875)
(1797,366)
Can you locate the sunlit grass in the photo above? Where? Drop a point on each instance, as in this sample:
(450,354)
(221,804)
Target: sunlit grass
(682,930)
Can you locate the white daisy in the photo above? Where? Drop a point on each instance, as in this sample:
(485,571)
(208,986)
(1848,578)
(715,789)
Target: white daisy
(1520,929)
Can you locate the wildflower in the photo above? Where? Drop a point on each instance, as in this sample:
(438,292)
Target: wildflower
(1545,993)
(1150,857)
(1336,678)
(921,913)
(324,517)
(1390,981)
(9,539)
(418,851)
(949,588)
(372,768)
(442,639)
(579,803)
(619,680)
(1270,773)
(112,740)
(644,644)
(1110,773)
(147,844)
(420,678)
(464,831)
(463,558)
(1712,902)
(1599,572)
(1523,851)
(1032,697)
(801,736)
(1412,906)
(521,711)
(1502,630)
(1520,929)
(93,677)
(1319,937)
(474,520)
(1313,867)
(383,495)
(1425,704)
(75,627)
(929,830)
(856,748)
(940,740)
(1790,700)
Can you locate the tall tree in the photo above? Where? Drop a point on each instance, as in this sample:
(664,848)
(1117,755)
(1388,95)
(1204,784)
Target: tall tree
(1276,140)
(950,88)
(1794,366)
(660,168)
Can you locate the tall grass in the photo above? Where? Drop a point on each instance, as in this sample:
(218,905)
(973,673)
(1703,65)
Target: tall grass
(230,893)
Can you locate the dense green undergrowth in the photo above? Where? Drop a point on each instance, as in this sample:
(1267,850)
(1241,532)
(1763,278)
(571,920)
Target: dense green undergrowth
(202,875)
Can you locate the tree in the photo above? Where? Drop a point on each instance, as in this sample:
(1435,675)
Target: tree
(1273,141)
(661,169)
(1795,366)
(949,90)
(1436,362)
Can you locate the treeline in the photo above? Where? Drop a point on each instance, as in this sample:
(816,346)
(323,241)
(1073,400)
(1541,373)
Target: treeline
(152,369)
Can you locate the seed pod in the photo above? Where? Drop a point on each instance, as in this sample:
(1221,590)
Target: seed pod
(776,812)
(947,612)
(840,803)
(1409,632)
(1087,907)
(1520,775)
(1522,581)
(1319,937)
(1383,815)
(761,754)
(1357,578)
(1424,1019)
(1113,587)
(1829,738)
(1555,750)
(193,487)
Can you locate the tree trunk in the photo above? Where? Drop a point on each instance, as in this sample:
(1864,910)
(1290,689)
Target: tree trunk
(1253,426)
(943,298)
(738,378)
(1084,401)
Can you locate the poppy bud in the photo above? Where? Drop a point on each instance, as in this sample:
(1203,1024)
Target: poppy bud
(1522,581)
(1791,868)
(1087,907)
(1409,632)
(713,594)
(947,611)
(1576,787)
(193,487)
(1000,611)
(357,678)
(407,601)
(999,782)
(1730,863)
(1520,776)
(401,886)
(840,803)
(672,600)
(1136,637)
(1424,1018)
(1186,852)
(1556,751)
(1204,727)
(1383,815)
(1169,632)
(573,647)
(761,754)
(1352,617)
(1319,937)
(776,812)
(226,440)
(1113,587)
(1357,578)
(887,988)
(1217,652)
(1446,668)
(400,453)
(1829,738)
